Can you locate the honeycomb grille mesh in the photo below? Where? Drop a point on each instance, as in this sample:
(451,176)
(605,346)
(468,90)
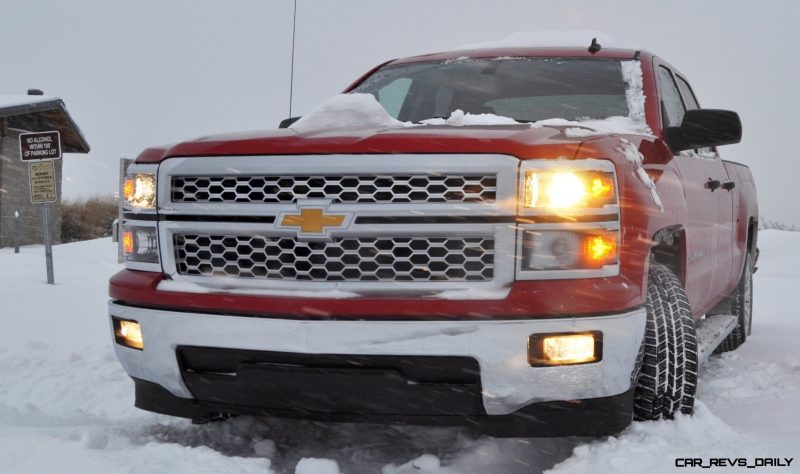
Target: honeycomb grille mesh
(356,259)
(408,188)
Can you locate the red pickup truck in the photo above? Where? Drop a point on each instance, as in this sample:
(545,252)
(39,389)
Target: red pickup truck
(526,241)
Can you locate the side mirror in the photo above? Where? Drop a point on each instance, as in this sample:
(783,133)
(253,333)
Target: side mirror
(286,123)
(702,128)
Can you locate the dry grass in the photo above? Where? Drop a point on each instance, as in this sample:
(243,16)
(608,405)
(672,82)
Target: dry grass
(771,224)
(90,218)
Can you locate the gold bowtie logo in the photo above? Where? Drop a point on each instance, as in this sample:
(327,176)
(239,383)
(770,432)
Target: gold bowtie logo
(312,221)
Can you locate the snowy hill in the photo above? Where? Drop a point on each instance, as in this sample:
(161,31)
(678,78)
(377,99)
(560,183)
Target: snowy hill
(67,406)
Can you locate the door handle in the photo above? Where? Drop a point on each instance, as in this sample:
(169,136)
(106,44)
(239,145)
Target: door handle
(728,185)
(713,184)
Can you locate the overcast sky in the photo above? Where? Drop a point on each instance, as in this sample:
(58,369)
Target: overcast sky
(138,73)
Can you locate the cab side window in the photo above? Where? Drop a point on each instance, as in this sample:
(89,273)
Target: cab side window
(672,106)
(691,103)
(688,96)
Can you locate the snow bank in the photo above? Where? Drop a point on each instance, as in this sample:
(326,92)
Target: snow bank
(653,447)
(347,111)
(546,38)
(424,463)
(317,466)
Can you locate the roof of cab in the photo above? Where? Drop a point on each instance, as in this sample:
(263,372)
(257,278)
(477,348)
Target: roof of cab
(546,52)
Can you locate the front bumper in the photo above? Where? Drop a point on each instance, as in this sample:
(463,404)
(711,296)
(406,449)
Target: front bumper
(507,382)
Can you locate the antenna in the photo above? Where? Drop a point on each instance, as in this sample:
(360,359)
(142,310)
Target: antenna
(291,74)
(594,47)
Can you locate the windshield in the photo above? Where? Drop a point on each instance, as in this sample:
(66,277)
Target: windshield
(526,89)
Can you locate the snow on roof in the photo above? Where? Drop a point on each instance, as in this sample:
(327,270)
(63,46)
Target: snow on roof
(347,111)
(546,38)
(17,100)
(37,113)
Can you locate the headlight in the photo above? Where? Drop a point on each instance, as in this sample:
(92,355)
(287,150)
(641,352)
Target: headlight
(569,249)
(140,244)
(139,190)
(568,219)
(568,189)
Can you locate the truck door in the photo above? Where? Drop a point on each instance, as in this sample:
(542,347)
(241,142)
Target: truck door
(724,276)
(702,180)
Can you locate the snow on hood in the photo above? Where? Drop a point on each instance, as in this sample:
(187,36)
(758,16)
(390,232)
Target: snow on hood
(594,127)
(631,153)
(348,111)
(546,38)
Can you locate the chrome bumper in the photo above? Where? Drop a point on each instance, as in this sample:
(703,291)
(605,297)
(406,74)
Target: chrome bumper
(500,347)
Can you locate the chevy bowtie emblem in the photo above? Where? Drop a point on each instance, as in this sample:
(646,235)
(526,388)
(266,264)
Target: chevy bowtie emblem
(312,220)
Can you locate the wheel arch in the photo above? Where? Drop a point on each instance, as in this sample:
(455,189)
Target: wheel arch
(669,249)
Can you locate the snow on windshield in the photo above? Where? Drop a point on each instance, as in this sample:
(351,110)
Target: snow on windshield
(633,124)
(363,110)
(459,119)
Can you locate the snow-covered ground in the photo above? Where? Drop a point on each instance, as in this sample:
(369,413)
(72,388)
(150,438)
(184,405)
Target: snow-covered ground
(67,406)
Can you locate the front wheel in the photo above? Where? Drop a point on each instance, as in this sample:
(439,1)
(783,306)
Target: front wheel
(668,378)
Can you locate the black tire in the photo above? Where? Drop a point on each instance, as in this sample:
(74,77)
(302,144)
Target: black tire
(668,379)
(740,304)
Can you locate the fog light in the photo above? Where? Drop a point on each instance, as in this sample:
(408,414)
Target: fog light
(128,333)
(565,348)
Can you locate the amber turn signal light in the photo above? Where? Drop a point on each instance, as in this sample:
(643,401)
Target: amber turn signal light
(600,249)
(127,242)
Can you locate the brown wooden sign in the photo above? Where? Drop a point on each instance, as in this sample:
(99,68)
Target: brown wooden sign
(40,146)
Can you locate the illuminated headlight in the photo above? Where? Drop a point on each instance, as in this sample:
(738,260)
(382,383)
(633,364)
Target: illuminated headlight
(139,190)
(140,244)
(565,348)
(567,189)
(569,250)
(128,333)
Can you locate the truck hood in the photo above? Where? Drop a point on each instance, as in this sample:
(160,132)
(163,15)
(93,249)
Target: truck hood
(522,141)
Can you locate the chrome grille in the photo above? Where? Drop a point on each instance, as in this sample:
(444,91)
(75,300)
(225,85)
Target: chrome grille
(407,188)
(358,259)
